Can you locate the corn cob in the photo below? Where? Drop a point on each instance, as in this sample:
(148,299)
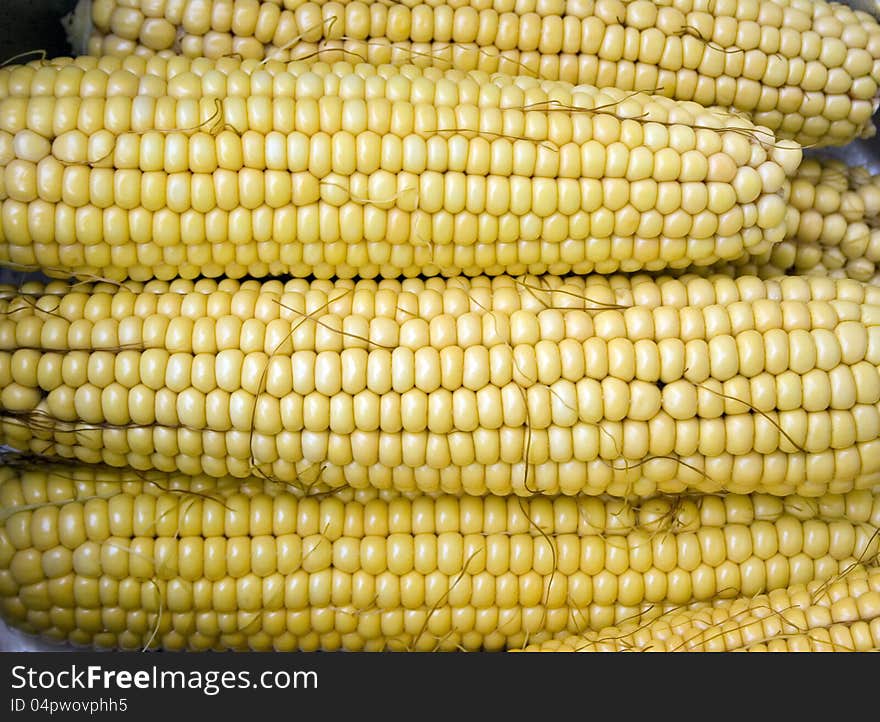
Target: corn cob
(622,384)
(808,69)
(325,171)
(817,617)
(113,558)
(833,227)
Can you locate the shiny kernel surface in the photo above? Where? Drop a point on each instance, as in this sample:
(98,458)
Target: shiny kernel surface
(237,168)
(198,562)
(807,70)
(551,385)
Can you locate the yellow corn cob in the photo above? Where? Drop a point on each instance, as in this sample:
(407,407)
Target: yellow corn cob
(199,167)
(113,558)
(808,69)
(817,617)
(621,384)
(833,227)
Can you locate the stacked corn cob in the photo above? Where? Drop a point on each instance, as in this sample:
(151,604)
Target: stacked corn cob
(808,69)
(598,384)
(458,455)
(120,559)
(343,170)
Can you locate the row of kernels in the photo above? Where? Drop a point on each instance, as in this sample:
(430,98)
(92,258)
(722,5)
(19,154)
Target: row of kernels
(826,331)
(23,484)
(426,530)
(321,236)
(548,297)
(261,349)
(276,511)
(360,572)
(246,206)
(45,117)
(779,473)
(597,206)
(230,355)
(265,20)
(145,261)
(830,20)
(374,385)
(364,590)
(443,627)
(279,137)
(290,239)
(370,622)
(434,441)
(92,77)
(248,392)
(365,151)
(26,484)
(827,336)
(689,513)
(548,307)
(810,454)
(242,85)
